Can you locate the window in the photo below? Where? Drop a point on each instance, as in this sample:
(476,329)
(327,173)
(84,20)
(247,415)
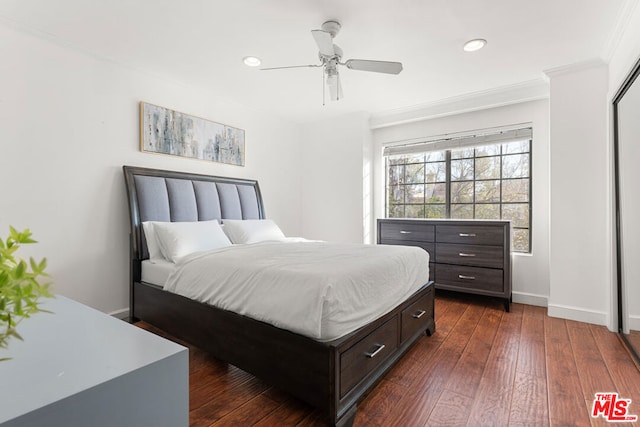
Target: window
(487,177)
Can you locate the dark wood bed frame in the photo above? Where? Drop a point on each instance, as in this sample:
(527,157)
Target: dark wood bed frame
(332,376)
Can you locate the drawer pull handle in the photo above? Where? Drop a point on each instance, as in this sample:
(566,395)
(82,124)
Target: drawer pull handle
(404,232)
(467,255)
(467,234)
(378,350)
(462,276)
(418,314)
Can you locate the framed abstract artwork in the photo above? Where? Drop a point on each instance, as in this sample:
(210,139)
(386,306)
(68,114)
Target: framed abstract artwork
(174,133)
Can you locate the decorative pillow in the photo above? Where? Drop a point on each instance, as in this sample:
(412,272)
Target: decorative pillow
(155,254)
(252,230)
(177,239)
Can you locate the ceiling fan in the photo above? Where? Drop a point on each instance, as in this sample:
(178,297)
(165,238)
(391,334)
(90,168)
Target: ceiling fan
(330,56)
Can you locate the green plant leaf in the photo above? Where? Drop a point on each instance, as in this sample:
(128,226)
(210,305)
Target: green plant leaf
(20,269)
(20,289)
(17,308)
(15,334)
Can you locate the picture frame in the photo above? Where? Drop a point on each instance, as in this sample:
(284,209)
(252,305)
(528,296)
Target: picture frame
(170,132)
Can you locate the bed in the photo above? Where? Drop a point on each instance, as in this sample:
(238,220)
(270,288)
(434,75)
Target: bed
(330,372)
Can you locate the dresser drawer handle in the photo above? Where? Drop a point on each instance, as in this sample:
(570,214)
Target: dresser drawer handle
(462,276)
(467,255)
(418,314)
(404,232)
(378,350)
(467,234)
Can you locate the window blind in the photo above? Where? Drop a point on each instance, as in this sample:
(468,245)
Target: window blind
(460,142)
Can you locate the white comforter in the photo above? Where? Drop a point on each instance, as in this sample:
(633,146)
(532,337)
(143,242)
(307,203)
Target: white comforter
(316,289)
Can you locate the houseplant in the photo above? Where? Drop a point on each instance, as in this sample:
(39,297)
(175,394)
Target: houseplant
(20,286)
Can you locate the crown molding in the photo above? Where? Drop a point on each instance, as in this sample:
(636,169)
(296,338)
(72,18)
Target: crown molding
(506,95)
(574,68)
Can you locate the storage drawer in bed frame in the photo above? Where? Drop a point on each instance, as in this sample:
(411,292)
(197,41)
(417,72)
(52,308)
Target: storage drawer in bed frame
(362,358)
(415,318)
(368,353)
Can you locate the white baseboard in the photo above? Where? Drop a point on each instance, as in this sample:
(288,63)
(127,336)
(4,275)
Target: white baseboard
(120,314)
(530,299)
(578,314)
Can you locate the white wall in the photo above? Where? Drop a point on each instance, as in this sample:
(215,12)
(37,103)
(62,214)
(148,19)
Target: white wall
(580,262)
(530,272)
(69,121)
(333,201)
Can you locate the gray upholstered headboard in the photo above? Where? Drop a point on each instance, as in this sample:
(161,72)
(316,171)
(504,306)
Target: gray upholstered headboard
(160,195)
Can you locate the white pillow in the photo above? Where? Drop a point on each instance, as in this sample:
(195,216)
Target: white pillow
(155,254)
(177,239)
(252,230)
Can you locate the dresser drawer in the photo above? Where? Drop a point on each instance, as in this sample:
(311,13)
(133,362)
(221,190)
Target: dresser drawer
(407,231)
(481,256)
(470,278)
(470,234)
(430,247)
(416,317)
(364,356)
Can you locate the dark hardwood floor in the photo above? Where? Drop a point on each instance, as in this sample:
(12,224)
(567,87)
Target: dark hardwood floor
(482,367)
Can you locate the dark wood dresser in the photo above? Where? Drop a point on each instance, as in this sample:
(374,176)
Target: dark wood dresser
(472,256)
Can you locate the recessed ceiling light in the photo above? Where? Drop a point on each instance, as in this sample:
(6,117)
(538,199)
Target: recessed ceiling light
(475,44)
(251,61)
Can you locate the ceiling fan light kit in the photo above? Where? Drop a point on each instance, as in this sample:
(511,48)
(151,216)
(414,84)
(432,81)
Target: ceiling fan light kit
(330,56)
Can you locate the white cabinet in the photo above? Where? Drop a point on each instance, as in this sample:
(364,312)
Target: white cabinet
(80,367)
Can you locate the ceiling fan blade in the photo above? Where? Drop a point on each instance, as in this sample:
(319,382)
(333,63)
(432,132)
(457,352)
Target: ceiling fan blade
(375,66)
(324,41)
(291,66)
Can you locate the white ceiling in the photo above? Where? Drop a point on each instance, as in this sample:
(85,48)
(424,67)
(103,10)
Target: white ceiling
(202,43)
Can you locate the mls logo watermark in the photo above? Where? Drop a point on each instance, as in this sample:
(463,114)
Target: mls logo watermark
(612,408)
